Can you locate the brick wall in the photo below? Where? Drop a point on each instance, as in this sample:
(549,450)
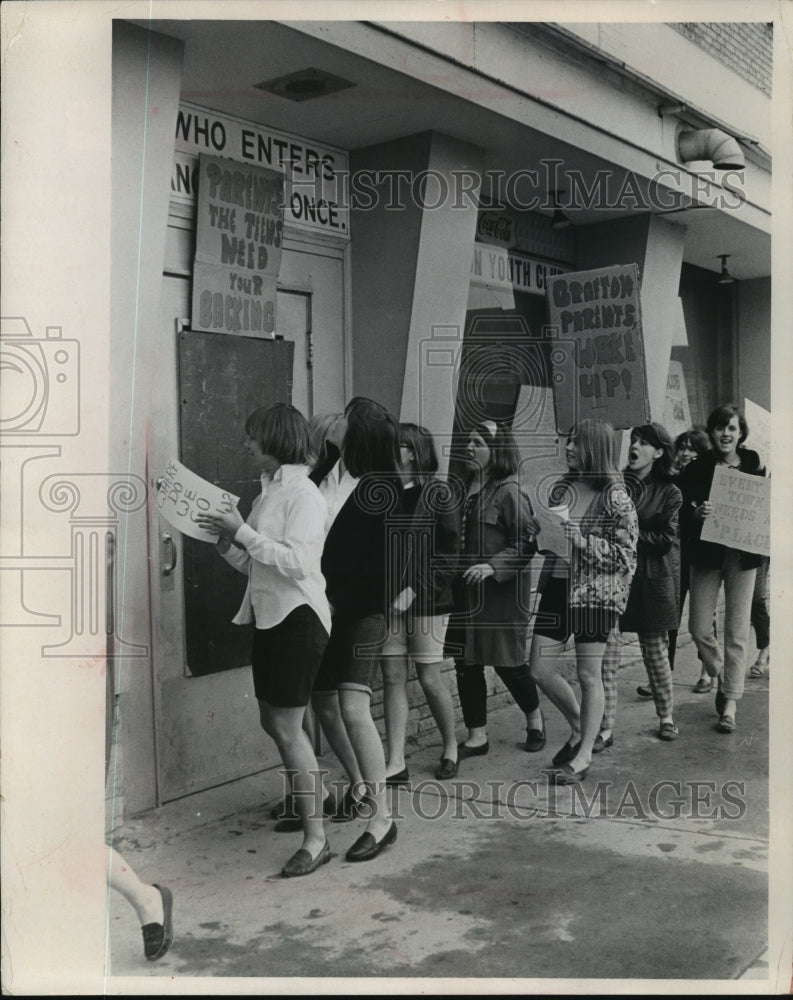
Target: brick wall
(744,48)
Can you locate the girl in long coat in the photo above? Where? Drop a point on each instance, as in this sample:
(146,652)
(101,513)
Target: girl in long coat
(653,606)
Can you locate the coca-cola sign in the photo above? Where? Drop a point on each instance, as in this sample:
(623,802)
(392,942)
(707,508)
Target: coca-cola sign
(495,226)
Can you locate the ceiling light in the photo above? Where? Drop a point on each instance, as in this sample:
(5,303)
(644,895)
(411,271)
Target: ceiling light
(305,84)
(725,278)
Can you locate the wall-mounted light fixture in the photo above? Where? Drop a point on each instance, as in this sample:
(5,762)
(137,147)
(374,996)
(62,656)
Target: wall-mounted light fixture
(558,220)
(710,144)
(725,278)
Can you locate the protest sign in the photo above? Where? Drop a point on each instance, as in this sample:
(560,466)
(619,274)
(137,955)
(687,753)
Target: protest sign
(741,515)
(239,229)
(183,496)
(551,537)
(677,416)
(597,356)
(759,421)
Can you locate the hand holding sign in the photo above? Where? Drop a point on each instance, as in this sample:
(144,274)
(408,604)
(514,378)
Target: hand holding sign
(186,500)
(223,525)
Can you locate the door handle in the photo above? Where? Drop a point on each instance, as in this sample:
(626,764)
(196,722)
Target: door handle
(170,544)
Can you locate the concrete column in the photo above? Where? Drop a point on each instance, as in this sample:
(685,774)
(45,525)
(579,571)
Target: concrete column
(411,259)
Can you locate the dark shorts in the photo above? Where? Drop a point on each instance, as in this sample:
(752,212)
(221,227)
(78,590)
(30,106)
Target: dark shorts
(286,658)
(352,656)
(557,620)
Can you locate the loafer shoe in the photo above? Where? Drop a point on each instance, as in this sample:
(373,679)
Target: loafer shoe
(567,776)
(366,847)
(644,692)
(600,744)
(301,862)
(465,751)
(568,751)
(535,738)
(668,731)
(399,779)
(703,685)
(726,724)
(447,769)
(348,809)
(157,938)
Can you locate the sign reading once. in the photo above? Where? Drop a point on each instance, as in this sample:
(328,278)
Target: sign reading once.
(238,248)
(741,515)
(598,320)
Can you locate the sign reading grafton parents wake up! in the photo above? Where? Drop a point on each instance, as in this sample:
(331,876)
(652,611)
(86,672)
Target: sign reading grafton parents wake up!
(238,248)
(598,354)
(741,515)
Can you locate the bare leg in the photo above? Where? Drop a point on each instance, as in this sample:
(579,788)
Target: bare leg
(285,726)
(439,699)
(328,714)
(145,899)
(589,660)
(543,663)
(395,708)
(365,739)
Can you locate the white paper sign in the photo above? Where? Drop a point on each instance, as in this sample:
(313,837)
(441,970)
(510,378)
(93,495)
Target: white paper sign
(183,496)
(741,515)
(759,421)
(677,416)
(552,537)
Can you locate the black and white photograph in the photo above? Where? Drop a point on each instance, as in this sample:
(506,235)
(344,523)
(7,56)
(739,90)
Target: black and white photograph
(452,342)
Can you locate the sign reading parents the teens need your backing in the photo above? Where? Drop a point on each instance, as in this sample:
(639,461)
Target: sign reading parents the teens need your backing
(741,515)
(598,353)
(239,229)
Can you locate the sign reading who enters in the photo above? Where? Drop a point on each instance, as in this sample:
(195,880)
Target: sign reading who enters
(315,175)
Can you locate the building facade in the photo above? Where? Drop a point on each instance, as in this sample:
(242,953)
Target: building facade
(437,177)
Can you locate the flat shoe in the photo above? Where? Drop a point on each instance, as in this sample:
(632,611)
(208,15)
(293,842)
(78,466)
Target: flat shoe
(535,738)
(567,776)
(567,753)
(720,701)
(726,724)
(157,938)
(446,769)
(399,779)
(600,744)
(703,685)
(755,671)
(465,751)
(668,731)
(301,862)
(644,692)
(366,847)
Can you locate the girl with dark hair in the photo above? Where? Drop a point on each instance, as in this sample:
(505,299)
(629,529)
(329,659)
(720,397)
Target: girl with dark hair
(585,595)
(355,566)
(653,602)
(714,565)
(429,544)
(279,548)
(493,591)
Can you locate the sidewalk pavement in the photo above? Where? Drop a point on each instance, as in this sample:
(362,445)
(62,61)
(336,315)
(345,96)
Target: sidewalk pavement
(654,868)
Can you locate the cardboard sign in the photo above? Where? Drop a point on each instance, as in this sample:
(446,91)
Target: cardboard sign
(677,415)
(183,496)
(596,317)
(759,421)
(741,515)
(239,228)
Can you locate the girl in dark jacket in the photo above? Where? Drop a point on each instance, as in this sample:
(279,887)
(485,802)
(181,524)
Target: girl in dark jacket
(493,589)
(654,600)
(426,563)
(715,565)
